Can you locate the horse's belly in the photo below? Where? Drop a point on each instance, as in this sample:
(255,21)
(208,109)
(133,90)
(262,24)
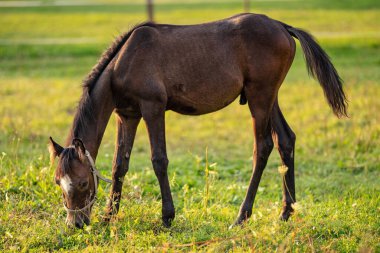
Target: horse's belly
(203,99)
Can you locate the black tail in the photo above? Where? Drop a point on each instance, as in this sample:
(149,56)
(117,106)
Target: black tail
(320,67)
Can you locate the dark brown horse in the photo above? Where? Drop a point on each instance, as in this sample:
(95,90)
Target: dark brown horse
(193,70)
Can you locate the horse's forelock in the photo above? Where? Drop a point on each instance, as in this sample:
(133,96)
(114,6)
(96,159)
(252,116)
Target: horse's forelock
(66,158)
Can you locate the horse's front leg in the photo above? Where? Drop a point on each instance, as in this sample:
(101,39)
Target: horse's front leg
(154,116)
(126,132)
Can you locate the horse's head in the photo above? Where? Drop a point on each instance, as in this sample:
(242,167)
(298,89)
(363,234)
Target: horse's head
(76,179)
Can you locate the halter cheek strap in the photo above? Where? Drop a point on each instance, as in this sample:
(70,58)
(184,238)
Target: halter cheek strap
(96,174)
(94,170)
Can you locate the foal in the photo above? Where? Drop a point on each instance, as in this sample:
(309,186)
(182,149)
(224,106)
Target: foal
(192,70)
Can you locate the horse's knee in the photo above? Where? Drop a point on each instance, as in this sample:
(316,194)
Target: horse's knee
(160,165)
(265,148)
(121,166)
(119,172)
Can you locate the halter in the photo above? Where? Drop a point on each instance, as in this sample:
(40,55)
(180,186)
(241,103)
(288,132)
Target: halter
(96,174)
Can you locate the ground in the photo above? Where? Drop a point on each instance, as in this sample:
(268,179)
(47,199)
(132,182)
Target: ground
(45,52)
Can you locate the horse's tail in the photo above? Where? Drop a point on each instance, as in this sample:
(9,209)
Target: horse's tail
(320,67)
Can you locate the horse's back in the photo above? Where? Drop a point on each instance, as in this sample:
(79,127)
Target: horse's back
(197,68)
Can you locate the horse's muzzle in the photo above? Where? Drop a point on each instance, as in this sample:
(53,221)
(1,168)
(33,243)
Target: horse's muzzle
(78,221)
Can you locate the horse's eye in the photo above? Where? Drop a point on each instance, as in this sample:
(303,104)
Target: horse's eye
(83,185)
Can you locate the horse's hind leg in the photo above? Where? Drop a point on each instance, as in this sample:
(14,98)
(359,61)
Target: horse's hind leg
(126,132)
(260,105)
(284,138)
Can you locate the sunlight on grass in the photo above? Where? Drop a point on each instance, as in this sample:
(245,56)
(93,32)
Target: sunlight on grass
(46,52)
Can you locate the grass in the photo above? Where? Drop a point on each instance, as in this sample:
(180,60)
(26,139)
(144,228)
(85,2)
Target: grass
(46,51)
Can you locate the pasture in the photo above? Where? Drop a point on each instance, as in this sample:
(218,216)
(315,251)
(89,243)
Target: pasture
(46,51)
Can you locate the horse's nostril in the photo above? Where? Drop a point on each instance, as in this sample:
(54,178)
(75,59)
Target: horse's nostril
(79,224)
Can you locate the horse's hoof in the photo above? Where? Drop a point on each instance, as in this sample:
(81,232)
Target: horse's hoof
(167,222)
(168,215)
(239,222)
(285,215)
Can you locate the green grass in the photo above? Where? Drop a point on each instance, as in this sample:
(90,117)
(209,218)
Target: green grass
(44,54)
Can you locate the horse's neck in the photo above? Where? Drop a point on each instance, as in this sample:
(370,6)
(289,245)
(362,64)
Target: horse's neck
(91,127)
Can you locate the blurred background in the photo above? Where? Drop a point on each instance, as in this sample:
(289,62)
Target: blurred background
(48,47)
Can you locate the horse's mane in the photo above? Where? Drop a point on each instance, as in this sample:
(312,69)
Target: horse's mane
(108,55)
(85,108)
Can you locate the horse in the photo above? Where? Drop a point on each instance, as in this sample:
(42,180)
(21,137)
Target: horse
(192,70)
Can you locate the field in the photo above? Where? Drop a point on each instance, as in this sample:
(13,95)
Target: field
(46,51)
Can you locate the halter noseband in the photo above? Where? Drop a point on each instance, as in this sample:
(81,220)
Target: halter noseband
(96,174)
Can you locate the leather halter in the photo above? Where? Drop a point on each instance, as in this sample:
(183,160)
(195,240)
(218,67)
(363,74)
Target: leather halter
(96,174)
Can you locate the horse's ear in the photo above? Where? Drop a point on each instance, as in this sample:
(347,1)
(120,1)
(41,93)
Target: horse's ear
(54,149)
(79,146)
